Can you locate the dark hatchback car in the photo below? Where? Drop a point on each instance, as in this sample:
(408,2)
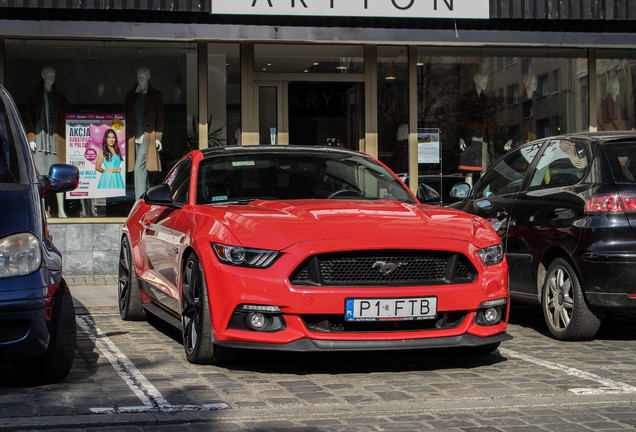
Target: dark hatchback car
(565,208)
(37,317)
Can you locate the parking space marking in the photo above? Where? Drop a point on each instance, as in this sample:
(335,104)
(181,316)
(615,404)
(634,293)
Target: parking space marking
(607,385)
(150,397)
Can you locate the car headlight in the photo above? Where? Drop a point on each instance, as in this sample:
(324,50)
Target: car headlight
(244,257)
(19,254)
(491,255)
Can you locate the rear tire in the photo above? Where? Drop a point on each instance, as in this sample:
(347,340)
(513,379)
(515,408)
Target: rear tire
(55,364)
(196,323)
(566,313)
(130,304)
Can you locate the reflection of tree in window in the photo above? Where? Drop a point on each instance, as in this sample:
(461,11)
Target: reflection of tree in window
(506,177)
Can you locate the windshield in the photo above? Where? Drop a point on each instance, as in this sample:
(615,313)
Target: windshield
(296,174)
(9,162)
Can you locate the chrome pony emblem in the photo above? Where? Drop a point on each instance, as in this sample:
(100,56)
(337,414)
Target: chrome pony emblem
(386,268)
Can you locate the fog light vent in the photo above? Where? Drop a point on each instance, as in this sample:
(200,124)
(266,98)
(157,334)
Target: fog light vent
(260,318)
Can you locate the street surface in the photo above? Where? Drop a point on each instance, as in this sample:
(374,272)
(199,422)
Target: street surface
(133,376)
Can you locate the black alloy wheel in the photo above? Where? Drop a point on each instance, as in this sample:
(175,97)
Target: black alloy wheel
(130,304)
(566,313)
(196,324)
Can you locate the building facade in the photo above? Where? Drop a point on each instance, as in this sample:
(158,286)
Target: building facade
(429,87)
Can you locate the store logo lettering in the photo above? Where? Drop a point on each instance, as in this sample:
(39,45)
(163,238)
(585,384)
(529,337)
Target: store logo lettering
(448,3)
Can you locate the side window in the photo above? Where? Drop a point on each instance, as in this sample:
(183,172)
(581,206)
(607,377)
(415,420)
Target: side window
(179,181)
(507,175)
(9,166)
(562,163)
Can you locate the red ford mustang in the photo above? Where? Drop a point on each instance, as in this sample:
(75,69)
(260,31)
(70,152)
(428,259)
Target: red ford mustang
(304,249)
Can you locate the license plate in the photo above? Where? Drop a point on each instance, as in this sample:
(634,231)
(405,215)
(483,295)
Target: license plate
(391,309)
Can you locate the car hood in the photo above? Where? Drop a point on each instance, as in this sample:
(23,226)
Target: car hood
(14,218)
(279,224)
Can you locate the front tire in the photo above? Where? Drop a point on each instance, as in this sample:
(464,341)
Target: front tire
(566,313)
(196,324)
(130,304)
(55,364)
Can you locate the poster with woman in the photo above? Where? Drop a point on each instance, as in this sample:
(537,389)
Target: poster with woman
(96,145)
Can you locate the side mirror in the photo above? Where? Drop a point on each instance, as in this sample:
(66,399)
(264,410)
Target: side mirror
(460,191)
(159,195)
(61,178)
(425,193)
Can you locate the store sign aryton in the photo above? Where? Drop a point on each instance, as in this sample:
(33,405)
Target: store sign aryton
(357,8)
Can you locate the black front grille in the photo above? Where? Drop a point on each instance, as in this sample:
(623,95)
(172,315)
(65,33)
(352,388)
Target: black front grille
(337,324)
(384,267)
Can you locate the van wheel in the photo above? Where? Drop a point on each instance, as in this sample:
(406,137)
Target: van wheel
(55,364)
(564,308)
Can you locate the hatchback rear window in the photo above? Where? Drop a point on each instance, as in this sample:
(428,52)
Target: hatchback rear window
(622,160)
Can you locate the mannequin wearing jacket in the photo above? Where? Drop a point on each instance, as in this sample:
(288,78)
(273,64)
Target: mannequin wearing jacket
(45,124)
(144,129)
(609,113)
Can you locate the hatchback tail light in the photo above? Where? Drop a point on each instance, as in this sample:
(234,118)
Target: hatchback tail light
(611,203)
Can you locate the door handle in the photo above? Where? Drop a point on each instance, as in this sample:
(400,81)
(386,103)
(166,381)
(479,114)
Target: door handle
(502,214)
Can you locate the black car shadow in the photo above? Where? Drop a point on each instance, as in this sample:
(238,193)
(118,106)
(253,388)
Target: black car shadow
(615,326)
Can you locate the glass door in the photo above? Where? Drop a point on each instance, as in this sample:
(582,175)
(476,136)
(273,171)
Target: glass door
(271,115)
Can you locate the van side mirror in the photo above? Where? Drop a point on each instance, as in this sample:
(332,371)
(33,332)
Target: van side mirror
(61,178)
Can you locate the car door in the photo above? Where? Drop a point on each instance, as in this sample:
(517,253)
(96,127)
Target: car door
(494,194)
(545,213)
(162,237)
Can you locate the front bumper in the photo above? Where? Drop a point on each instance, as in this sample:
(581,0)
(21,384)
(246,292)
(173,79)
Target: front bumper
(313,345)
(229,288)
(25,314)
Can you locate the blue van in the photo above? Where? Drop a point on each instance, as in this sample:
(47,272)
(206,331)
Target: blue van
(37,316)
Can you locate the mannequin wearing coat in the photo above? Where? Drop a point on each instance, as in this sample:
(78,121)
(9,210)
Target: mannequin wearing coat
(45,124)
(144,129)
(474,135)
(609,116)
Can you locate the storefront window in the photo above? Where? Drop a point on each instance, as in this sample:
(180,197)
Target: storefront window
(615,91)
(73,95)
(483,105)
(224,94)
(393,108)
(287,58)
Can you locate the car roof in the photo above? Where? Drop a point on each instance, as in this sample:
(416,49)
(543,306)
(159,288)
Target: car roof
(595,137)
(231,150)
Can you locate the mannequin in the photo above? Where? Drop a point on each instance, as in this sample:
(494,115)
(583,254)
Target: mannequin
(474,135)
(45,124)
(528,134)
(530,85)
(609,113)
(144,129)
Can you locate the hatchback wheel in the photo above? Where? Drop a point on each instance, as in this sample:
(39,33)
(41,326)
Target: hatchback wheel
(566,313)
(195,318)
(130,305)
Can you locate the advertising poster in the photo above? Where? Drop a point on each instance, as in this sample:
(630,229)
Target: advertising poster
(96,145)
